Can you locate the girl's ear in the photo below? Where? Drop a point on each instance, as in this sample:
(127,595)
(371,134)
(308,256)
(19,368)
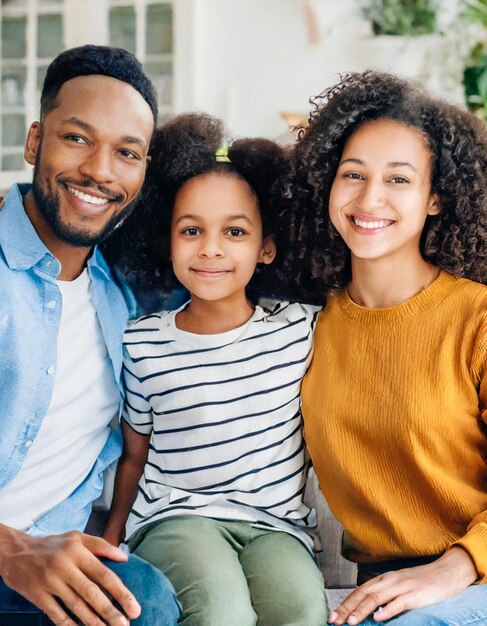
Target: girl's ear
(434,207)
(268,252)
(32,143)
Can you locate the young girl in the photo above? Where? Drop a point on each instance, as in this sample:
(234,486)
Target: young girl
(212,416)
(389,190)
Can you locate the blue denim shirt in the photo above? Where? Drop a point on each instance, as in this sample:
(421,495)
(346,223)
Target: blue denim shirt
(30,312)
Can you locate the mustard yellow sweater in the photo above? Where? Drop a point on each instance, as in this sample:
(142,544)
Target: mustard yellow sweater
(395,411)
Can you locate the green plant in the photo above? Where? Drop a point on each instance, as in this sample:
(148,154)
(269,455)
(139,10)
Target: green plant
(475,74)
(401,17)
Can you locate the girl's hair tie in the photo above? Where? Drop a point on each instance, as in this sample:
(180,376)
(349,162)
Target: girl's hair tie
(221,155)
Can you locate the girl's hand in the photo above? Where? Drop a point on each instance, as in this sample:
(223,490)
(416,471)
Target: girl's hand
(392,593)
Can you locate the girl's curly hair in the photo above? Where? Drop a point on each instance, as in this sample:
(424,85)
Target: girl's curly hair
(182,149)
(455,240)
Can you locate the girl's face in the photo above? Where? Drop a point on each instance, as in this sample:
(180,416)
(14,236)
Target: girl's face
(381,194)
(216,237)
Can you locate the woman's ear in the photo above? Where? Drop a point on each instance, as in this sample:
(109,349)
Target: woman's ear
(434,206)
(268,251)
(32,142)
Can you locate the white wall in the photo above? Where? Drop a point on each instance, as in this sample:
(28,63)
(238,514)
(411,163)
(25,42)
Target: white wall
(252,59)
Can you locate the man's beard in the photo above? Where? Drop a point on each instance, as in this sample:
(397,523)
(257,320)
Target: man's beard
(48,205)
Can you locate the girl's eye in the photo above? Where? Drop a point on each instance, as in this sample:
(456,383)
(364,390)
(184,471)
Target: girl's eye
(399,179)
(191,231)
(235,232)
(353,175)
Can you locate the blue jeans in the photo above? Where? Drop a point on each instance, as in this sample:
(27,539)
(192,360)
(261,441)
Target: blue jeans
(152,590)
(469,608)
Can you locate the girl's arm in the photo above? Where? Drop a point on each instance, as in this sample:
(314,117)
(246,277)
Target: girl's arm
(129,471)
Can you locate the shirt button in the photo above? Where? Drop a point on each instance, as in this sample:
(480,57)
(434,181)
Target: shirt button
(49,265)
(51,304)
(50,370)
(28,444)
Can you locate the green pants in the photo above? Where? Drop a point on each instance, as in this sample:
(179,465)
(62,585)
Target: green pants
(227,573)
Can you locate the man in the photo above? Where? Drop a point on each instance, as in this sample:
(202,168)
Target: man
(62,317)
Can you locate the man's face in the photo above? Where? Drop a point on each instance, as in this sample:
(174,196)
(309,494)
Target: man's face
(89,156)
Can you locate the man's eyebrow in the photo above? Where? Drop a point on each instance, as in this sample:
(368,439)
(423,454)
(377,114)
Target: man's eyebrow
(90,129)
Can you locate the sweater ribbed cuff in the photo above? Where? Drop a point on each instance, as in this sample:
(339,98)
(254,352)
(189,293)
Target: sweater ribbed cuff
(475,543)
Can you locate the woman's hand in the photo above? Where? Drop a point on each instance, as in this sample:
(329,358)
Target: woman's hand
(389,594)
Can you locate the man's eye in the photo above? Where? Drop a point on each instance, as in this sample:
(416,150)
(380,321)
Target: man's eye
(75,138)
(128,154)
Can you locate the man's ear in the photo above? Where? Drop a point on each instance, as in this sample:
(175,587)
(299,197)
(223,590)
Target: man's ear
(268,252)
(434,206)
(32,142)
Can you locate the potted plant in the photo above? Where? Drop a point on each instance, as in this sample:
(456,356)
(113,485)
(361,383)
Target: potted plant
(401,17)
(475,74)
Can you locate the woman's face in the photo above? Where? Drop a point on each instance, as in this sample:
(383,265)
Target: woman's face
(381,194)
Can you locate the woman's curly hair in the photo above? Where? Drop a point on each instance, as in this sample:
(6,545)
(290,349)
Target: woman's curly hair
(182,149)
(455,239)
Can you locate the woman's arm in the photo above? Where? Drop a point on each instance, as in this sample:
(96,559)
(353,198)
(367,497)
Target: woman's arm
(129,471)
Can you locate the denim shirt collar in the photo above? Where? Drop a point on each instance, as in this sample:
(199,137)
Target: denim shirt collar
(20,242)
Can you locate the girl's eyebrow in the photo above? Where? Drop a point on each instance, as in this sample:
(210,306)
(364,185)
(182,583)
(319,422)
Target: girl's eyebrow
(195,218)
(391,164)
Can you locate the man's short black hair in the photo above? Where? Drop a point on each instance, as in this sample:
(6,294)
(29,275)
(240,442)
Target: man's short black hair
(103,60)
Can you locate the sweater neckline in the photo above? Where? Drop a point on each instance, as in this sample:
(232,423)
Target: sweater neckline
(425,300)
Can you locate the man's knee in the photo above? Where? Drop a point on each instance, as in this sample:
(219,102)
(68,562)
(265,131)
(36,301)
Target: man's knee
(151,588)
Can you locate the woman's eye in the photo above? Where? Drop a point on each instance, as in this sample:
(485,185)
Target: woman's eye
(399,179)
(191,232)
(353,175)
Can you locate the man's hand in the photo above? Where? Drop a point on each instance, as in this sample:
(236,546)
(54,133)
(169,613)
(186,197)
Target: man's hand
(394,592)
(66,567)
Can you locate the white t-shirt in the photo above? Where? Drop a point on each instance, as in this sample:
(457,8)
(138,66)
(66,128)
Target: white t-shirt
(84,401)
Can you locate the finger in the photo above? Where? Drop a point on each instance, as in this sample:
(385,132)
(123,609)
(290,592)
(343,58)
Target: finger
(401,603)
(362,602)
(94,581)
(79,608)
(54,611)
(101,547)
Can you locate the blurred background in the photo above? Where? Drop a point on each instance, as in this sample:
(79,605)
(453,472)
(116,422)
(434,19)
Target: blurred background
(254,63)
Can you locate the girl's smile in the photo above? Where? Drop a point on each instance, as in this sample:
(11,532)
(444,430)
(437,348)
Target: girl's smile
(216,238)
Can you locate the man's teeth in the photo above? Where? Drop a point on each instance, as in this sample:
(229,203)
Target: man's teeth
(87,198)
(372,225)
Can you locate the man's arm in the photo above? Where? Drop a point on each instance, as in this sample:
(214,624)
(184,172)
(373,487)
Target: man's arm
(129,471)
(66,568)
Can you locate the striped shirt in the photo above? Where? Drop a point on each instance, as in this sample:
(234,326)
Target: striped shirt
(224,416)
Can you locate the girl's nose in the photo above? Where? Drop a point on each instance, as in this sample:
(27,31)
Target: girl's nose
(211,247)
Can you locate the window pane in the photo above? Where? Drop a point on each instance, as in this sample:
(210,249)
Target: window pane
(13,86)
(159,29)
(14,3)
(13,129)
(161,75)
(13,37)
(41,73)
(122,28)
(49,35)
(13,162)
